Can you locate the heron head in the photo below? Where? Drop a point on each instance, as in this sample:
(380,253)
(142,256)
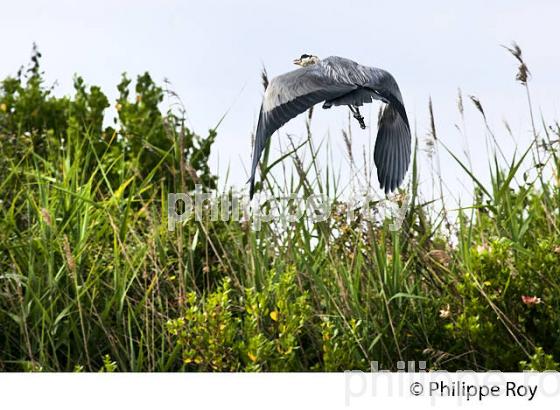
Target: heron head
(306,59)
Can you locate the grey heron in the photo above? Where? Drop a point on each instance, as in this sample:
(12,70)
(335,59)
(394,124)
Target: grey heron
(339,81)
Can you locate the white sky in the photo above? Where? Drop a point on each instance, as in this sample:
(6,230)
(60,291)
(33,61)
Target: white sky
(213,51)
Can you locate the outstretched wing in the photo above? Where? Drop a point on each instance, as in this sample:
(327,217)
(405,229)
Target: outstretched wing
(289,95)
(392,145)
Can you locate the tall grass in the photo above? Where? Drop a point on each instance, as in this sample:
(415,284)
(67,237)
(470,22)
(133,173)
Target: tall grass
(91,279)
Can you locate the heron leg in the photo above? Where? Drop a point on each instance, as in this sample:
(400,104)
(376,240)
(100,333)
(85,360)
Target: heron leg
(356,113)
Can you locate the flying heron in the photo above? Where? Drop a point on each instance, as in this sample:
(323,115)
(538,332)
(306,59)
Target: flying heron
(339,81)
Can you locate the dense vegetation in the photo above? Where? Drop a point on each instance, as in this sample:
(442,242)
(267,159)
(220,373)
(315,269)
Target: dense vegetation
(91,278)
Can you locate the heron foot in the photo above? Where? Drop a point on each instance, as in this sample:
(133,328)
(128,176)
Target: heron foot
(360,121)
(358,116)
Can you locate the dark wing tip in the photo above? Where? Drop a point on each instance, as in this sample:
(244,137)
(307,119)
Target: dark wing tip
(251,187)
(392,149)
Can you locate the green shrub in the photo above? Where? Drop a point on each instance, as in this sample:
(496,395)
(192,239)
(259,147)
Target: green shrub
(247,330)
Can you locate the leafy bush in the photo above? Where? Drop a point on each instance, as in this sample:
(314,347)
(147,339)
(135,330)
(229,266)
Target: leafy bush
(252,331)
(79,202)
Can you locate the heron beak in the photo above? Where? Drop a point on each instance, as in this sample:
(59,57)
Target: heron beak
(297,61)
